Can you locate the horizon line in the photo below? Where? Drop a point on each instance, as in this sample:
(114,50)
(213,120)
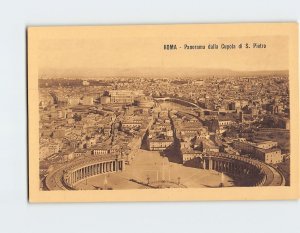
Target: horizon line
(146,74)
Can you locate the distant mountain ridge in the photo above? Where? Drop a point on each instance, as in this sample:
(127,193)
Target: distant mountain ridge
(185,72)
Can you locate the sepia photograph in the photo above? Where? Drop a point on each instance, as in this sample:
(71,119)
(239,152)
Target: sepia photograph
(165,109)
(150,116)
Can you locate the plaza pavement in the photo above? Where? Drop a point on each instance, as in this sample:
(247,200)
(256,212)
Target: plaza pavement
(150,165)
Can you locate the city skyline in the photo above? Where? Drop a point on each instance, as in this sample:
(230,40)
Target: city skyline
(130,134)
(153,73)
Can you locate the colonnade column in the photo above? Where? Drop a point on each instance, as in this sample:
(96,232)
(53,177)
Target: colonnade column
(210,161)
(116,165)
(94,169)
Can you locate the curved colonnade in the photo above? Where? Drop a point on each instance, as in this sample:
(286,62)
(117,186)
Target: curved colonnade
(254,172)
(67,176)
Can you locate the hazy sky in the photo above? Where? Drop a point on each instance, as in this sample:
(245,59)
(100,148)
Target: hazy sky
(141,50)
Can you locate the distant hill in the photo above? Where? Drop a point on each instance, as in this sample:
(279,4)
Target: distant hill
(152,73)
